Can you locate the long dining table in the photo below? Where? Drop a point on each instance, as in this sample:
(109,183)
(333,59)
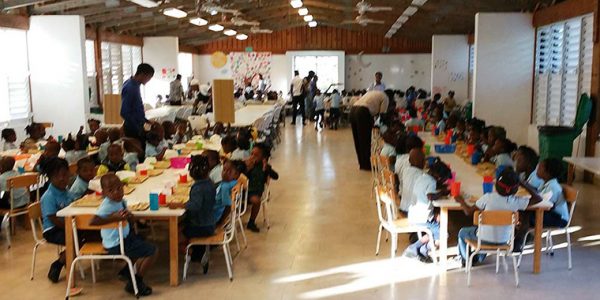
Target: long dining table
(472,185)
(141,194)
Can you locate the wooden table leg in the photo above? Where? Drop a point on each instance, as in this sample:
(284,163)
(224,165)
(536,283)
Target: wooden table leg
(174,250)
(570,174)
(69,246)
(537,242)
(443,237)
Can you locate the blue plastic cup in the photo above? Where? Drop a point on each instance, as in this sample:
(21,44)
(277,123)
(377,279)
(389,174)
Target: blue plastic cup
(437,131)
(60,139)
(154,201)
(475,158)
(499,171)
(21,170)
(488,187)
(453,138)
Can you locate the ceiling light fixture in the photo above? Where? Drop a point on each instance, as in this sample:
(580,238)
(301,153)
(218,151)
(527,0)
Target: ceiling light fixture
(296,3)
(409,11)
(145,3)
(241,36)
(215,27)
(312,24)
(198,21)
(213,12)
(175,13)
(402,19)
(308,18)
(303,11)
(418,2)
(229,32)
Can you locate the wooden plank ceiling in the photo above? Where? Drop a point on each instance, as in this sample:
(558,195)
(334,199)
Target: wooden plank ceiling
(125,17)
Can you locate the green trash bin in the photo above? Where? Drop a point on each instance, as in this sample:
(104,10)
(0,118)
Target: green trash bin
(557,142)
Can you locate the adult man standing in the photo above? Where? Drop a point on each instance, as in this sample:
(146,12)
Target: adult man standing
(378,85)
(132,107)
(297,98)
(449,103)
(176,91)
(362,115)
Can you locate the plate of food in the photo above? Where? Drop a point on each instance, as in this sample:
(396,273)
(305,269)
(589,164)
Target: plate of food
(177,199)
(164,164)
(128,189)
(155,172)
(90,200)
(185,184)
(140,206)
(181,190)
(138,179)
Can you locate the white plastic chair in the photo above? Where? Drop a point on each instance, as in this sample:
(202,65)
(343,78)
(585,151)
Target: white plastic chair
(198,123)
(385,212)
(501,218)
(95,251)
(186,112)
(222,237)
(242,206)
(5,227)
(570,195)
(264,201)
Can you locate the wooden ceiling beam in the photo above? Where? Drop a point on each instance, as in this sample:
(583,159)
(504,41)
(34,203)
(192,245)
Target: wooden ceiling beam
(12,4)
(62,6)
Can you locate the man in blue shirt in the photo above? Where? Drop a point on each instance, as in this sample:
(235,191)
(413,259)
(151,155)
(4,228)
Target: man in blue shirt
(132,107)
(378,85)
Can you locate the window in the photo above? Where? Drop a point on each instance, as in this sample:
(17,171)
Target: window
(90,65)
(326,68)
(563,70)
(471,70)
(184,61)
(119,62)
(15,101)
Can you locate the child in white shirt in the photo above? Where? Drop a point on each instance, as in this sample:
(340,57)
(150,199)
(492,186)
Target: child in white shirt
(502,150)
(10,137)
(410,176)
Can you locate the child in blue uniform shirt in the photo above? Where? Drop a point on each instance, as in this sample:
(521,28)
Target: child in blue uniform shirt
(114,209)
(85,173)
(155,145)
(501,151)
(526,161)
(231,172)
(54,199)
(549,170)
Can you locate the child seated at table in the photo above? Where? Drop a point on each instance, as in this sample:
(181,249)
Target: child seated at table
(402,161)
(414,120)
(501,152)
(102,142)
(459,133)
(228,146)
(10,137)
(54,199)
(72,152)
(51,150)
(526,162)
(156,146)
(215,166)
(503,198)
(20,195)
(409,178)
(36,133)
(549,170)
(182,134)
(231,172)
(93,125)
(114,209)
(242,151)
(114,161)
(493,133)
(169,130)
(85,173)
(258,171)
(389,142)
(428,187)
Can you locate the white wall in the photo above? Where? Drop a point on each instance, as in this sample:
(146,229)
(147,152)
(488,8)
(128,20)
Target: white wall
(400,71)
(161,53)
(450,65)
(504,58)
(58,71)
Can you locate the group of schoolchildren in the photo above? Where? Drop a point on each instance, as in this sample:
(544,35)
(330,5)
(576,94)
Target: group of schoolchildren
(420,183)
(214,173)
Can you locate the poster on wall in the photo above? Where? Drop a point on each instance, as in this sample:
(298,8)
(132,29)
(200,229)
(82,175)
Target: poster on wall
(246,66)
(168,73)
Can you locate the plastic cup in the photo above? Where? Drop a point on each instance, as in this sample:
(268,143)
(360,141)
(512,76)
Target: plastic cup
(455,189)
(488,187)
(434,130)
(154,201)
(162,199)
(60,139)
(98,193)
(470,149)
(21,170)
(427,149)
(476,157)
(143,172)
(488,179)
(183,178)
(499,170)
(447,139)
(415,129)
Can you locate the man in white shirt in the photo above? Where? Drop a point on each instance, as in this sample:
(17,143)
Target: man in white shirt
(176,91)
(297,97)
(378,85)
(362,113)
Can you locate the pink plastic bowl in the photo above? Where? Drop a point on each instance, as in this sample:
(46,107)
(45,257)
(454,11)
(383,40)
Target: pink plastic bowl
(179,162)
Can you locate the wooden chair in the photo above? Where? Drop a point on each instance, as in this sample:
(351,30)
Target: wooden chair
(222,237)
(395,226)
(390,182)
(493,218)
(25,181)
(242,206)
(95,251)
(570,194)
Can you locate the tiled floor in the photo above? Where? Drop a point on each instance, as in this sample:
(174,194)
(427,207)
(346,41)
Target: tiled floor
(321,245)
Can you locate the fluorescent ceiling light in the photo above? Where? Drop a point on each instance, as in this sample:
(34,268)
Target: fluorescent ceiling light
(296,3)
(145,3)
(396,26)
(312,24)
(229,32)
(303,11)
(418,2)
(308,18)
(213,12)
(241,37)
(198,21)
(409,11)
(175,13)
(215,27)
(402,19)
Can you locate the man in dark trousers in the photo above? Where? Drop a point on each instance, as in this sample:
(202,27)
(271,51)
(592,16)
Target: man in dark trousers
(297,93)
(132,107)
(362,116)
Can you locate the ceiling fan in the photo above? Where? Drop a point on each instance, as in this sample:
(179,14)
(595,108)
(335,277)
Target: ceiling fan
(363,20)
(362,7)
(236,20)
(212,7)
(256,29)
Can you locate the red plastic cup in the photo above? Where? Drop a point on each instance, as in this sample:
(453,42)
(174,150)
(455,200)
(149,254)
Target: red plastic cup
(183,178)
(488,179)
(143,172)
(447,139)
(415,129)
(98,193)
(162,199)
(433,129)
(470,149)
(455,189)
